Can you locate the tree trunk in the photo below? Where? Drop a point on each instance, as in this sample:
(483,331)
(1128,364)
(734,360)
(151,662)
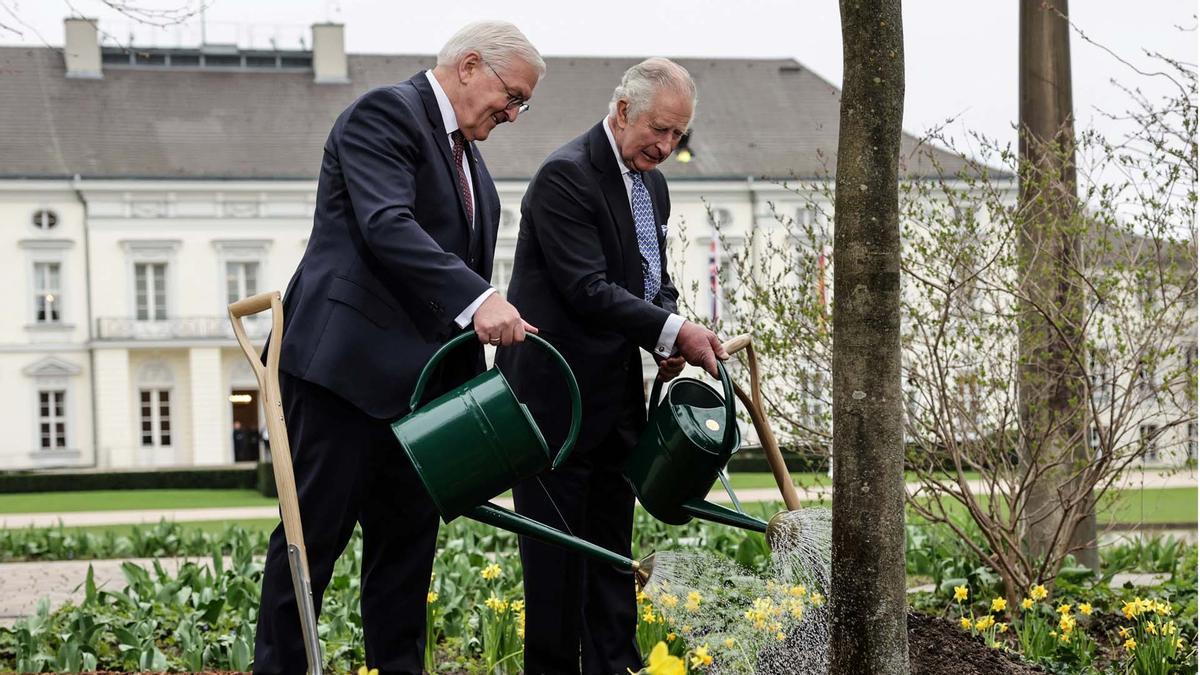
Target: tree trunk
(868,603)
(1052,370)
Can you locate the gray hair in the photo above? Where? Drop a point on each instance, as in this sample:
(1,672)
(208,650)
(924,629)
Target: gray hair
(642,82)
(498,43)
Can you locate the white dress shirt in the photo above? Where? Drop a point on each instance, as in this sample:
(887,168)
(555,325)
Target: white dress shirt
(450,120)
(670,330)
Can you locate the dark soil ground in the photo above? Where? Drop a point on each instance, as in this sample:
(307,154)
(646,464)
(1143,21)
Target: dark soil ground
(937,646)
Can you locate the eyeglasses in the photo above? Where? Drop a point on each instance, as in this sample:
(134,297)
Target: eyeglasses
(513,99)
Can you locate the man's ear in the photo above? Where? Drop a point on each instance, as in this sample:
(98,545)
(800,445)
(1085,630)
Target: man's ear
(468,65)
(622,114)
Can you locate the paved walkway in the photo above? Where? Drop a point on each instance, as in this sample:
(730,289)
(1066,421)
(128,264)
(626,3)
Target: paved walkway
(1133,480)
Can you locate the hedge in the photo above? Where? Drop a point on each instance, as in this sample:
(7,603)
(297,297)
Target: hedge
(229,477)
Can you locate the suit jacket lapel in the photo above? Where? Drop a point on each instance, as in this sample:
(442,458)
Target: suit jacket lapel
(613,186)
(440,137)
(483,197)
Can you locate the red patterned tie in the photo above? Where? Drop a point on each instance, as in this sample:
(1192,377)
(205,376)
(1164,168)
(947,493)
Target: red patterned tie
(463,186)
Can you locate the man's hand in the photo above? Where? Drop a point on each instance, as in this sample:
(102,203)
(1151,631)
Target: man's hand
(498,323)
(669,368)
(700,347)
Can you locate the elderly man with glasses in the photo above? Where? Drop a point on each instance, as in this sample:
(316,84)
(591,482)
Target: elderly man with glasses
(397,263)
(591,273)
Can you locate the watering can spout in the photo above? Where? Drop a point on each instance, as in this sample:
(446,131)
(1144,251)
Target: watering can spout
(514,522)
(643,571)
(719,514)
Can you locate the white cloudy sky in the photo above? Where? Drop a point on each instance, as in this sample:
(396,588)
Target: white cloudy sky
(960,56)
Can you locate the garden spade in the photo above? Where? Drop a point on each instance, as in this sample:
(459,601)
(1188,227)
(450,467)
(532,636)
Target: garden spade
(281,459)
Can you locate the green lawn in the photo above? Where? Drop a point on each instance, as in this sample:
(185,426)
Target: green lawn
(122,500)
(1167,505)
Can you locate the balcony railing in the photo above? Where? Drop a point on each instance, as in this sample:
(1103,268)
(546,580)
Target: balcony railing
(179,328)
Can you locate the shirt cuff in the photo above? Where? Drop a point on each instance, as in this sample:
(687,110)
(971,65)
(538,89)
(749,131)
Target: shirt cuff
(666,339)
(469,313)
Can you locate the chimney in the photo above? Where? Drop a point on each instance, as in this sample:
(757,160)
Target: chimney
(82,50)
(329,54)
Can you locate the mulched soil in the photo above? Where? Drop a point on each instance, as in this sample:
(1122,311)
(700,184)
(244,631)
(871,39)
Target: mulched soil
(937,646)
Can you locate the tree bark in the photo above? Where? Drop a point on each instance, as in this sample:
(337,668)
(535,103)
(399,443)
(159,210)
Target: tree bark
(1052,369)
(868,602)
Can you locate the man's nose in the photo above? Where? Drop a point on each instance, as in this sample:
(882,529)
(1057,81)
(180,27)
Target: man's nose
(665,148)
(511,113)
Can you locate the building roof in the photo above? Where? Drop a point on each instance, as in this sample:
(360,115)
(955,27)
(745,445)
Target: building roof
(756,118)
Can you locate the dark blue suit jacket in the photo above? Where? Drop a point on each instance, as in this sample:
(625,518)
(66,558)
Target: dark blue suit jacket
(389,264)
(577,276)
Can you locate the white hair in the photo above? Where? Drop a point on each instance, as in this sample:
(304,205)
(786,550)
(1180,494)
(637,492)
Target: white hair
(498,43)
(641,83)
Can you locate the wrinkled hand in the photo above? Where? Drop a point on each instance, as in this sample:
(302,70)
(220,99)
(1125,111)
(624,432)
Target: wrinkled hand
(699,346)
(669,368)
(498,323)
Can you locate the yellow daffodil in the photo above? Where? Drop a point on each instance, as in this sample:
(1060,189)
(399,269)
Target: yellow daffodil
(1130,645)
(518,605)
(362,670)
(662,663)
(431,597)
(521,625)
(1002,627)
(797,591)
(701,657)
(780,636)
(669,601)
(999,604)
(1168,628)
(670,637)
(1124,632)
(985,623)
(1064,608)
(995,645)
(686,629)
(490,572)
(1065,637)
(1085,608)
(693,601)
(641,597)
(729,643)
(1067,623)
(648,614)
(1038,592)
(496,604)
(1151,628)
(1162,608)
(1027,604)
(816,599)
(1130,609)
(966,623)
(1178,644)
(960,593)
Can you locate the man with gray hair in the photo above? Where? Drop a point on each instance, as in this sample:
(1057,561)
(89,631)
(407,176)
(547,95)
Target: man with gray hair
(397,263)
(591,273)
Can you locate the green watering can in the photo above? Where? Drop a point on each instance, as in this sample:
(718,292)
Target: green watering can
(690,435)
(477,440)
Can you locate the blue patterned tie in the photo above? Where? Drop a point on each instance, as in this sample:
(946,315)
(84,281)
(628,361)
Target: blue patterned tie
(647,236)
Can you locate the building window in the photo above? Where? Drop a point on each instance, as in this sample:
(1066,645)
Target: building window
(1149,438)
(241,280)
(52,419)
(45,219)
(156,418)
(47,292)
(150,289)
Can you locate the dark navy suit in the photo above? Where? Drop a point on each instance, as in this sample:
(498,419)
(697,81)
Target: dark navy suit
(577,276)
(391,262)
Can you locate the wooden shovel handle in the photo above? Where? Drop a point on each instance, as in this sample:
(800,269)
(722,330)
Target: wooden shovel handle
(268,386)
(754,405)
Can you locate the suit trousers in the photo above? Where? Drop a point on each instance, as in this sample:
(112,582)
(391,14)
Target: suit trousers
(350,469)
(581,613)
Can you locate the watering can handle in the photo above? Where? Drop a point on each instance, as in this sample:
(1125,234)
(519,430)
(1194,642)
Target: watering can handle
(730,407)
(572,386)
